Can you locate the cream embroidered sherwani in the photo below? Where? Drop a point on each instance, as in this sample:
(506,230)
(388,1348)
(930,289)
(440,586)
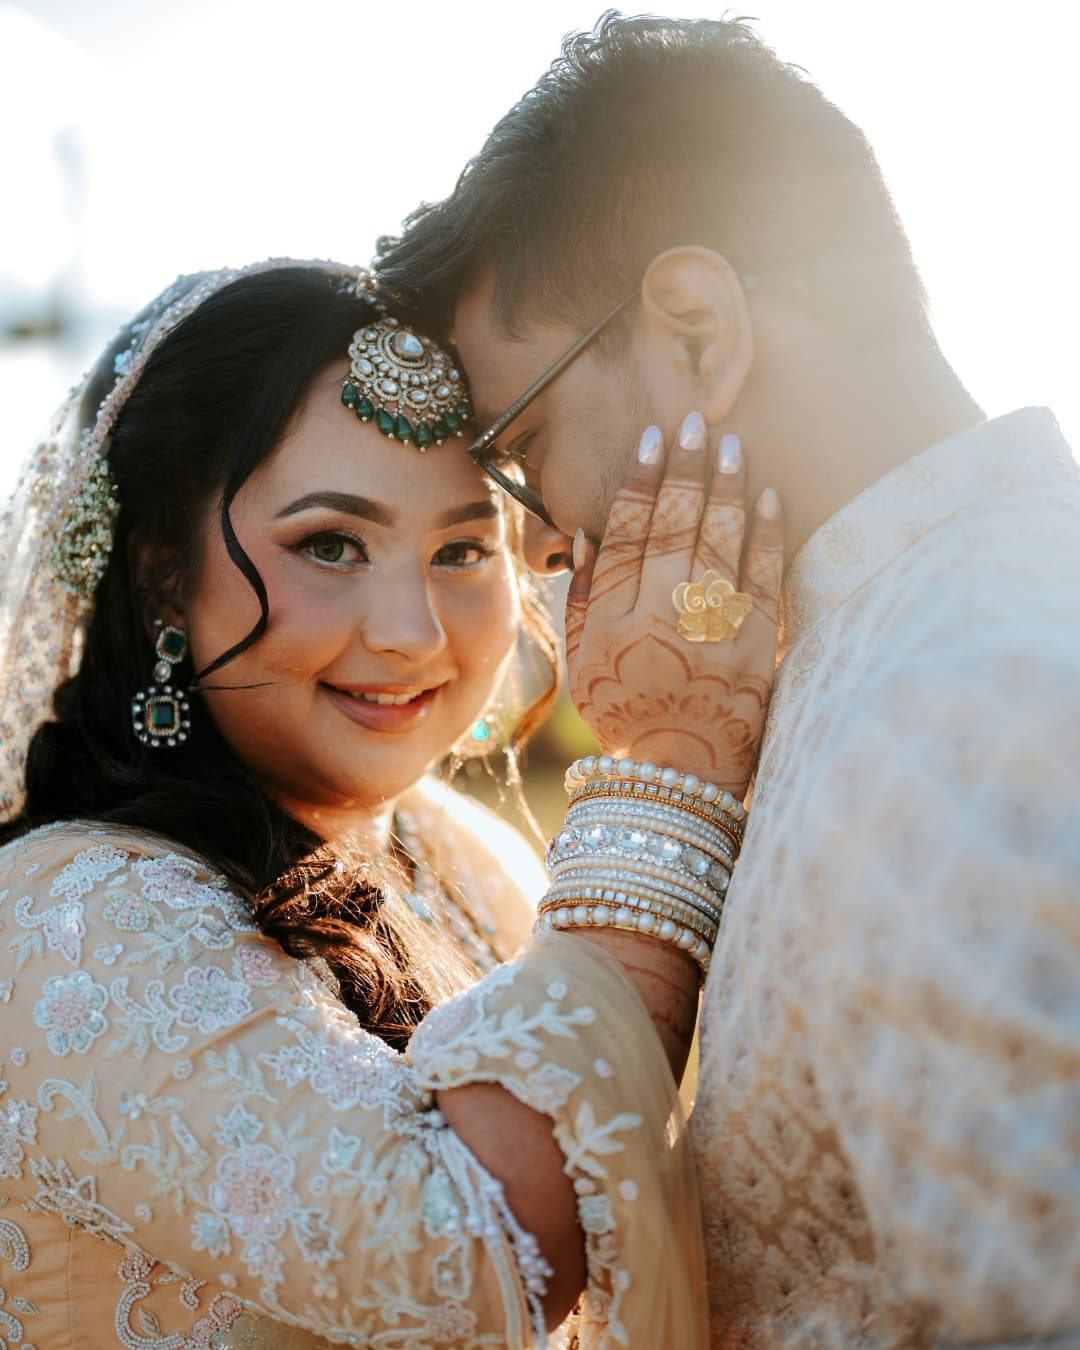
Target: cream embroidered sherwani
(888,1124)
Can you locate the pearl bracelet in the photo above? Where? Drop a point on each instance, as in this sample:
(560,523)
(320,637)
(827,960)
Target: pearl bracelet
(606,766)
(625,920)
(629,874)
(637,897)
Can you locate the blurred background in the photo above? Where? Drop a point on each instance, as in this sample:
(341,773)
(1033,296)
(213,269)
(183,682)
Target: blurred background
(139,140)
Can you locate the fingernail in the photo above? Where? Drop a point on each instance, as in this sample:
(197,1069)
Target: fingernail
(769,506)
(693,434)
(579,550)
(651,447)
(730,454)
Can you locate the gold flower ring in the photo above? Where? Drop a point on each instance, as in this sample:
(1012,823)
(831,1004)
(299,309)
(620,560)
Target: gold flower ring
(710,610)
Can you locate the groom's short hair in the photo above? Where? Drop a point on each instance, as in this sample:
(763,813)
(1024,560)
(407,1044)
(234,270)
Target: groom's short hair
(647,133)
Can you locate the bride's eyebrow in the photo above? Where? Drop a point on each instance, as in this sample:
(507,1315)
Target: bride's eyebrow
(341,501)
(458,515)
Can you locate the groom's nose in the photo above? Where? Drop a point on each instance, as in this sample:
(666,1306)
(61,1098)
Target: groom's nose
(546,549)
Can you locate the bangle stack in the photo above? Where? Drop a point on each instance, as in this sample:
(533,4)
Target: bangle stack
(645,849)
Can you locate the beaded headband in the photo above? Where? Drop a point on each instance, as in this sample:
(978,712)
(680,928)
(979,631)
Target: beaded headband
(404,384)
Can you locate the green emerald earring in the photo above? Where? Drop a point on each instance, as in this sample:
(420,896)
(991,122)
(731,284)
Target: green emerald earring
(161,714)
(406,385)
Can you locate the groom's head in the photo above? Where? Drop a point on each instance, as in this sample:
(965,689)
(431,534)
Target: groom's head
(680,162)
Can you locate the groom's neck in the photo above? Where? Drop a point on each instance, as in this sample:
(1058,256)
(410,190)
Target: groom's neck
(831,420)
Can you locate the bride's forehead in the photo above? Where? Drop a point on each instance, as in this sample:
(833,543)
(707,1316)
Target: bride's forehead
(328,449)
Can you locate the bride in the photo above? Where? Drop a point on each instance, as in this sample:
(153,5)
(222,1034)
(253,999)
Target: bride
(264,1082)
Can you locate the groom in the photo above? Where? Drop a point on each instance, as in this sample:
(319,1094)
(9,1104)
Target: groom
(888,1125)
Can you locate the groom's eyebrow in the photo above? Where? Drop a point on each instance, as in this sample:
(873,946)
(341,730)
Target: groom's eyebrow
(345,502)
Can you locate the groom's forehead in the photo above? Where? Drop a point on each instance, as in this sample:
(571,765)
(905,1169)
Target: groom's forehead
(499,367)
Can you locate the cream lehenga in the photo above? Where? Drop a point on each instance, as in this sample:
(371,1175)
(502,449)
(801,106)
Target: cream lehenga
(199,1146)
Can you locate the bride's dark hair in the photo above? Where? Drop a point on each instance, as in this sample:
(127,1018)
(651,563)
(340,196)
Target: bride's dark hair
(213,403)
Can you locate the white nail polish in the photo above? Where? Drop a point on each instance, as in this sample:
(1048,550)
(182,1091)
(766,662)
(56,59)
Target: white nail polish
(693,434)
(769,506)
(651,447)
(579,550)
(730,457)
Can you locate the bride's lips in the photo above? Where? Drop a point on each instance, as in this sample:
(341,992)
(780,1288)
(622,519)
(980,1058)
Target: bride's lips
(383,716)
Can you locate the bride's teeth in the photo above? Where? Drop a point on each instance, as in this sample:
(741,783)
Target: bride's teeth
(396,700)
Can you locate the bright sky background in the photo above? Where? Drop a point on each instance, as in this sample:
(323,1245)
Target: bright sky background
(220,131)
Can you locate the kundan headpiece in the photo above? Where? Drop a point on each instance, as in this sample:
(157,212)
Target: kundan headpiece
(404,384)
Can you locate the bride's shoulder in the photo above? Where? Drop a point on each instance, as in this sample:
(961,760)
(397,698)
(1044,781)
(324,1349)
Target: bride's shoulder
(78,854)
(467,842)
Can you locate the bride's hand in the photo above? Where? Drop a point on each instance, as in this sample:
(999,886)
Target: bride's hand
(646,692)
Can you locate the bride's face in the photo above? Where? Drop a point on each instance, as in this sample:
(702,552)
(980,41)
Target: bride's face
(393,611)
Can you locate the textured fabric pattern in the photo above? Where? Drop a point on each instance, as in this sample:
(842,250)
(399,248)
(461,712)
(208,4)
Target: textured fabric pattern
(888,1125)
(200,1147)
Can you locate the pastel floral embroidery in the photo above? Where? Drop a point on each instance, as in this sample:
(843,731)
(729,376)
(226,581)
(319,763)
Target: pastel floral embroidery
(174,881)
(347,1076)
(254,965)
(75,1200)
(18,1126)
(209,1000)
(62,925)
(86,869)
(65,930)
(451,1323)
(547,1089)
(129,912)
(71,1012)
(254,1191)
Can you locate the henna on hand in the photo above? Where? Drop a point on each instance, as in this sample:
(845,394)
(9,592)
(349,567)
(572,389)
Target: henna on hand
(644,691)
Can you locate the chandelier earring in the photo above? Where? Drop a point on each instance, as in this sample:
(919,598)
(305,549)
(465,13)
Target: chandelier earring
(161,714)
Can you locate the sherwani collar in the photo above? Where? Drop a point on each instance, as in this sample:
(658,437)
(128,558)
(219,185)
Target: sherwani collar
(1020,450)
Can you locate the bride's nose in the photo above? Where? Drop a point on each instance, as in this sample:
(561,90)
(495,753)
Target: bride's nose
(546,549)
(404,619)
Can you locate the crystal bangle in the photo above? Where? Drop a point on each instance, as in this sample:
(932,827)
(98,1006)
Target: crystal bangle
(636,829)
(648,795)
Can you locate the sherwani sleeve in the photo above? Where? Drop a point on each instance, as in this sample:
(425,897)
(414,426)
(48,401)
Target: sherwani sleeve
(184,1090)
(940,977)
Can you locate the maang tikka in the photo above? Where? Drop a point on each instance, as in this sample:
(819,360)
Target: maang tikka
(405,384)
(161,715)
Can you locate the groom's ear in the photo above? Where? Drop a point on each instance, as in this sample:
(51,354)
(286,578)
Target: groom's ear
(695,320)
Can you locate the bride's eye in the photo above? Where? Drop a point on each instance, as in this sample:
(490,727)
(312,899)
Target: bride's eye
(333,549)
(462,553)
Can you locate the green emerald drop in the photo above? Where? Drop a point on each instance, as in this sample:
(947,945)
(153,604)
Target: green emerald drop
(163,716)
(441,430)
(365,410)
(403,428)
(452,420)
(464,411)
(384,422)
(424,435)
(172,644)
(349,395)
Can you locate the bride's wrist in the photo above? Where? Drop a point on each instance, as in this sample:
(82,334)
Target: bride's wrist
(646,850)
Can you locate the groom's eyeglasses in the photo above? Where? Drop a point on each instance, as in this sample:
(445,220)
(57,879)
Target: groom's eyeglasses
(482,450)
